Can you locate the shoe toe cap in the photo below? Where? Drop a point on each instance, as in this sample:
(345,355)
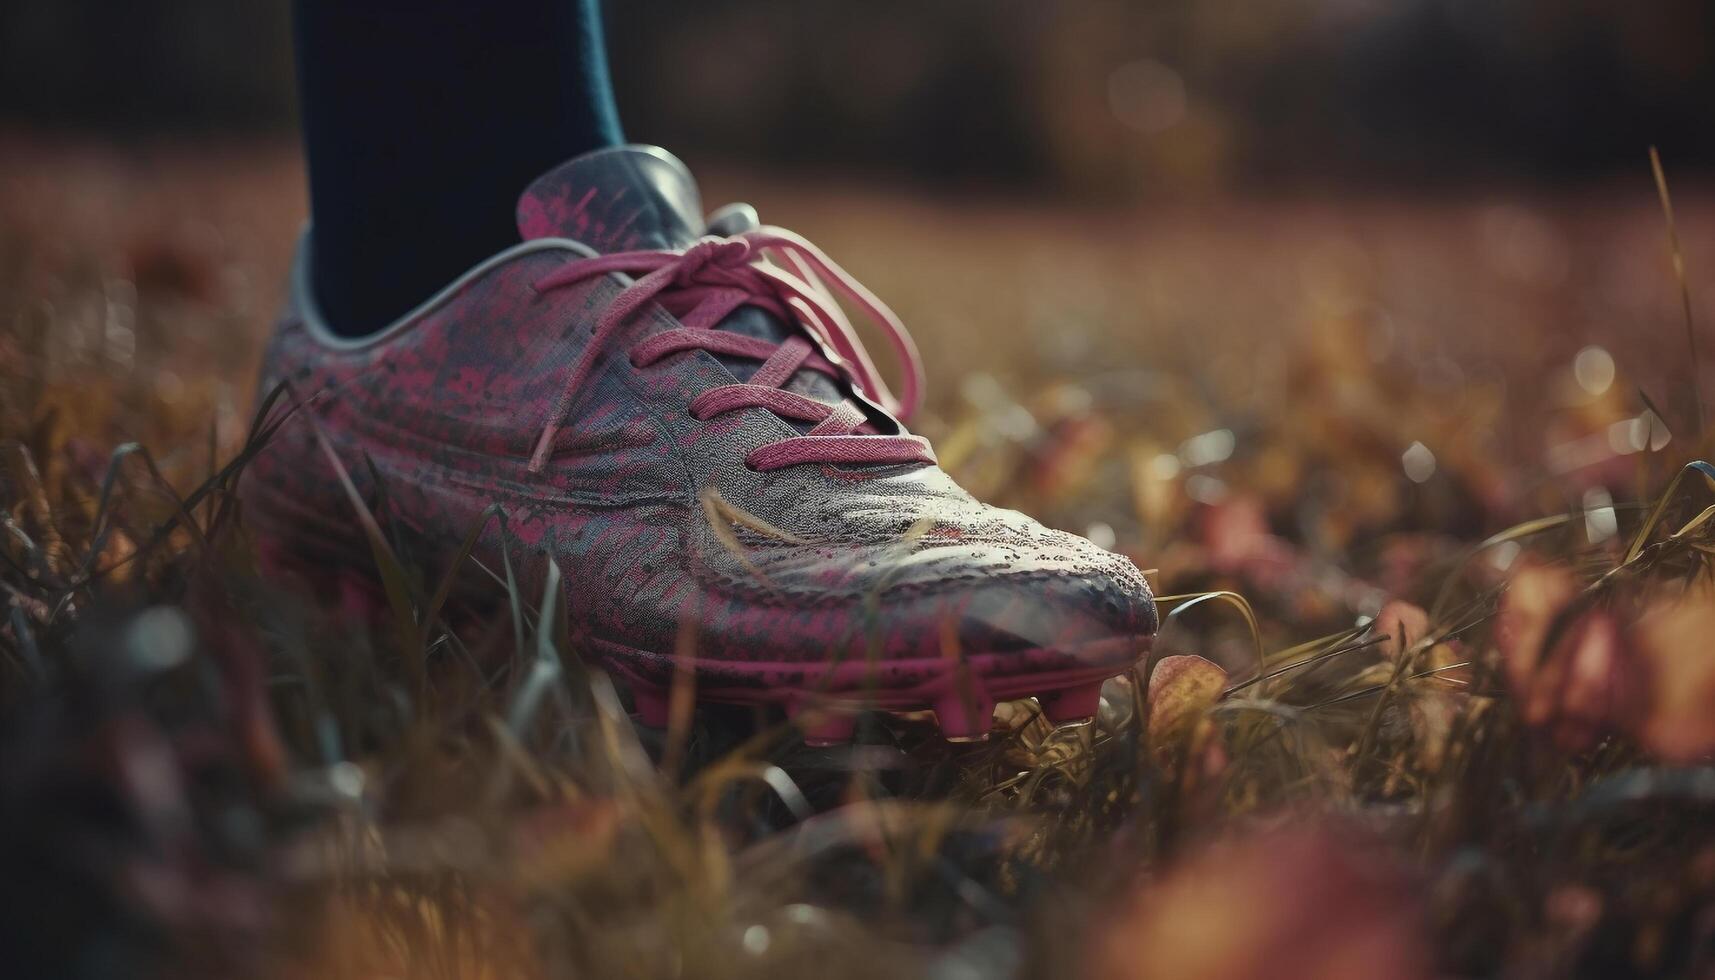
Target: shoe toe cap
(1060,606)
(964,599)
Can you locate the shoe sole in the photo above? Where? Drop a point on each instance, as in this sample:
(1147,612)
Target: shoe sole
(823,699)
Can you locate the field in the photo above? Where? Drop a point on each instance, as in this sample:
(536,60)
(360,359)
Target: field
(1414,475)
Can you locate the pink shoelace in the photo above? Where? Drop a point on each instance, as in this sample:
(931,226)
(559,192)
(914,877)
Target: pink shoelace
(715,276)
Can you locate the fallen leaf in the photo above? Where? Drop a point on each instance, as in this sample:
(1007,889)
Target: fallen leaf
(1676,652)
(1403,624)
(1181,690)
(1587,684)
(1536,594)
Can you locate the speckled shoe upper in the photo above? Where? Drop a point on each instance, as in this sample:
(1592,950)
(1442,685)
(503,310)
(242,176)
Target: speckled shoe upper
(674,413)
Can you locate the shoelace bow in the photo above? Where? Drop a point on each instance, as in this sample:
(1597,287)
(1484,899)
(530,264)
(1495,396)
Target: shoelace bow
(715,276)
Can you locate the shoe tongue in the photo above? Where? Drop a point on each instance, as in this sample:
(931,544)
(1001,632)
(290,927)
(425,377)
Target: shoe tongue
(642,197)
(615,200)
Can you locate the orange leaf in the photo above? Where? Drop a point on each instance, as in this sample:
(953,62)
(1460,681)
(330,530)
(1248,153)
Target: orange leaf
(1181,689)
(1536,594)
(1676,642)
(1403,624)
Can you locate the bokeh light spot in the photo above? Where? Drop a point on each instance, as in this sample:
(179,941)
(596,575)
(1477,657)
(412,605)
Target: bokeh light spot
(1594,369)
(1418,463)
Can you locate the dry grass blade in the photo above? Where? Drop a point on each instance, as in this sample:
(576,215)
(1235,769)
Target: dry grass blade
(1668,496)
(25,636)
(1382,688)
(394,580)
(1339,649)
(1678,259)
(722,515)
(493,512)
(1515,533)
(26,484)
(546,669)
(1189,601)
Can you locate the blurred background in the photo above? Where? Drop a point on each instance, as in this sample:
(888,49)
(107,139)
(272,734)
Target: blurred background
(1084,97)
(1369,268)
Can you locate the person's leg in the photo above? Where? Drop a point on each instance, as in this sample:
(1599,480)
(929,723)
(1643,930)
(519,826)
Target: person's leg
(422,121)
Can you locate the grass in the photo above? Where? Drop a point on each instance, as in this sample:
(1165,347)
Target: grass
(1432,695)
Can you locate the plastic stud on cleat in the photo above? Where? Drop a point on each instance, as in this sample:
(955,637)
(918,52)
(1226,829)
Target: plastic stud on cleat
(651,705)
(826,726)
(1072,705)
(965,715)
(822,723)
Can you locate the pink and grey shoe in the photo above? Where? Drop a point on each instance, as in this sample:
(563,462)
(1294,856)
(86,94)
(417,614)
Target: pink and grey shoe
(682,416)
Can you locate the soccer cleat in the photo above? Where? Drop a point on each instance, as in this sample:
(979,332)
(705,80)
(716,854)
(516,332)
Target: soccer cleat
(682,417)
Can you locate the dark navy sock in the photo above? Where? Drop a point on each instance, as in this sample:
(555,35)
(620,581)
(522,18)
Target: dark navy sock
(423,120)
